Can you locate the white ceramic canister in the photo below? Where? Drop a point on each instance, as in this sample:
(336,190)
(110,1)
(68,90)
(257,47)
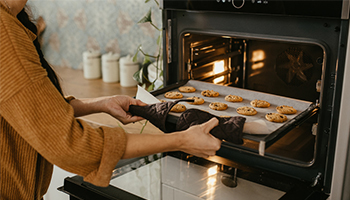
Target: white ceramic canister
(127,70)
(110,67)
(92,64)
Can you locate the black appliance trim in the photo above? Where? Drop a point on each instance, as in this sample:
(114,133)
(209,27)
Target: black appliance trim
(76,188)
(308,8)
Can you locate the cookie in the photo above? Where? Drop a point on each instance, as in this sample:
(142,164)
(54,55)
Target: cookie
(197,100)
(276,117)
(218,106)
(288,110)
(245,110)
(233,98)
(162,100)
(187,89)
(260,103)
(173,95)
(178,108)
(210,93)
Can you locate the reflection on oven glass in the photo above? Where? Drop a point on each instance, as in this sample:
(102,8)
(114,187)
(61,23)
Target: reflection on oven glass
(211,182)
(219,79)
(258,56)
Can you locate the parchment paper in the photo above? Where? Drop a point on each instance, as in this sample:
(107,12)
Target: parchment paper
(256,124)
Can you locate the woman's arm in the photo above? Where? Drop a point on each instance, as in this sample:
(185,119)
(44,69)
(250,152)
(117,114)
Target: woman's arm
(196,140)
(117,106)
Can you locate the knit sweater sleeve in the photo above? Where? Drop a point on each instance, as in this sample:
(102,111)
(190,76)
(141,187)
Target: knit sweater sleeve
(30,103)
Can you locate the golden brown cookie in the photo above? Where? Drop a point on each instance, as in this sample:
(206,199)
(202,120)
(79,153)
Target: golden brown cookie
(288,110)
(276,117)
(233,98)
(178,108)
(187,89)
(218,106)
(245,110)
(260,103)
(197,100)
(173,95)
(210,93)
(162,100)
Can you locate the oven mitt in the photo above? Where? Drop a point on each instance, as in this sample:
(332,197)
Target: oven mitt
(157,113)
(229,128)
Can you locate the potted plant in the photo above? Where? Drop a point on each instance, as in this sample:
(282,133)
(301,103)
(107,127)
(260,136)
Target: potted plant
(150,62)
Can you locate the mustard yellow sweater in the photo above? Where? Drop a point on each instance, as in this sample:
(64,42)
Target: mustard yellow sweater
(37,125)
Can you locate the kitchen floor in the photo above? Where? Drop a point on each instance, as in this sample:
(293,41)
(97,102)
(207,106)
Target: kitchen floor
(74,83)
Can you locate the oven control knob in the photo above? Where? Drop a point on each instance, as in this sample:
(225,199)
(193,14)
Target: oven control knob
(238,3)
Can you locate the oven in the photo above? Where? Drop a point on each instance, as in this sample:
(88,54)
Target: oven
(290,52)
(293,49)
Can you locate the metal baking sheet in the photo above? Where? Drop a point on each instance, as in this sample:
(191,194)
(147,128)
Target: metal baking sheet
(255,125)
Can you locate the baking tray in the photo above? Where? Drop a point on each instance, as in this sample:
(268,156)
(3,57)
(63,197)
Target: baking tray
(256,127)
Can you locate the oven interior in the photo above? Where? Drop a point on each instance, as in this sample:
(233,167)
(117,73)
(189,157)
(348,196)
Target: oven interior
(255,64)
(285,68)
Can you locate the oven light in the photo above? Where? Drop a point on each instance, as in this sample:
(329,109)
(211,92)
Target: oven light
(219,67)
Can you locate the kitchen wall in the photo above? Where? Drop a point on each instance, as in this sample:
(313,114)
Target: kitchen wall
(75,26)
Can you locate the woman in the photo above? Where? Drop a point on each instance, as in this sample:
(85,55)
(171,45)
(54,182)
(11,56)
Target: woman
(39,128)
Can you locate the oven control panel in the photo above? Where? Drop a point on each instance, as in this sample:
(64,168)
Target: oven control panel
(309,8)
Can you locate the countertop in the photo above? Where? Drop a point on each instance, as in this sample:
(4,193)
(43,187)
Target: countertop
(74,83)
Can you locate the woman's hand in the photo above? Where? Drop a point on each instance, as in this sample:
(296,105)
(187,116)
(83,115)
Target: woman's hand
(197,140)
(117,106)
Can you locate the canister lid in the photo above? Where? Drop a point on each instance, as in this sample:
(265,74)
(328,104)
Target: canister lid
(92,53)
(110,56)
(127,60)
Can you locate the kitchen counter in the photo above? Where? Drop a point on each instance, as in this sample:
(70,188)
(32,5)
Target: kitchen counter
(74,83)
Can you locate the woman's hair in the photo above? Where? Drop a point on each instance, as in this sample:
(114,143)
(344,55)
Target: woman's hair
(25,19)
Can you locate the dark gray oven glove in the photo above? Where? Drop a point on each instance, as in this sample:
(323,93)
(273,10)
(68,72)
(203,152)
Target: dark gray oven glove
(229,128)
(157,113)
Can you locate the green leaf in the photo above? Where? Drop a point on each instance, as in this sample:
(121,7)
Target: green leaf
(136,76)
(151,87)
(159,40)
(134,58)
(146,60)
(147,1)
(147,17)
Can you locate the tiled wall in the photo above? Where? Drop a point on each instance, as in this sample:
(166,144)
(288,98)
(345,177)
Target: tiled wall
(75,26)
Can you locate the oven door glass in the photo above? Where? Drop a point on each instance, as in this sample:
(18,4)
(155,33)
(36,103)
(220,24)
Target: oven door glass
(289,69)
